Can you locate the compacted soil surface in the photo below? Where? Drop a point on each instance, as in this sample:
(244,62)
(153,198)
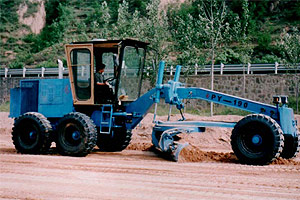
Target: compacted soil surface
(207,169)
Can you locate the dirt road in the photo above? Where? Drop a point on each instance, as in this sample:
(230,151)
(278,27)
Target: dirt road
(141,174)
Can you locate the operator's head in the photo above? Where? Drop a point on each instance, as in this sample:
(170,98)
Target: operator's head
(100,67)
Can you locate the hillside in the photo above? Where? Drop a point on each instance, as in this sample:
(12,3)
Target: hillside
(33,32)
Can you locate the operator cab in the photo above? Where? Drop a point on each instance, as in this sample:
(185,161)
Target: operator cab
(124,61)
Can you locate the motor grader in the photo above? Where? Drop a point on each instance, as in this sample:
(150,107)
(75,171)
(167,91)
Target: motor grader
(77,114)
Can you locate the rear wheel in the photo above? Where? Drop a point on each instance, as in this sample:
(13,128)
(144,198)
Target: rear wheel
(257,140)
(291,146)
(31,133)
(116,141)
(76,135)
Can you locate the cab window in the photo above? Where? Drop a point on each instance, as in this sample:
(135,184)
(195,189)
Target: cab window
(131,72)
(81,67)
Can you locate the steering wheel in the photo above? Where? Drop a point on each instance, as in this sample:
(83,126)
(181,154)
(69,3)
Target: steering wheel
(109,79)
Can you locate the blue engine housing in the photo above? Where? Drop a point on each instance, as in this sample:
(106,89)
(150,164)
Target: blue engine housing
(51,97)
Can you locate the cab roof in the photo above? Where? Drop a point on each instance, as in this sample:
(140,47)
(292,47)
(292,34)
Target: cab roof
(124,41)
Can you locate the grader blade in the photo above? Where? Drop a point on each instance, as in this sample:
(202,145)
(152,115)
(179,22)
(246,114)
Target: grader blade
(164,138)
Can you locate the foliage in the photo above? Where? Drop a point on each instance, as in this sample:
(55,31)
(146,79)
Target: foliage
(267,58)
(32,8)
(53,10)
(243,30)
(98,21)
(16,65)
(151,27)
(54,31)
(290,47)
(264,41)
(47,64)
(202,25)
(229,56)
(7,8)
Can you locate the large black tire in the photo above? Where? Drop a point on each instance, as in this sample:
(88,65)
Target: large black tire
(32,133)
(116,141)
(291,146)
(76,135)
(257,140)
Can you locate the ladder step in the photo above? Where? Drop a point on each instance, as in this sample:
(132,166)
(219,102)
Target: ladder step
(107,111)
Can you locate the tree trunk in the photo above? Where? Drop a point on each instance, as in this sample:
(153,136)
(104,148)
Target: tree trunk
(212,80)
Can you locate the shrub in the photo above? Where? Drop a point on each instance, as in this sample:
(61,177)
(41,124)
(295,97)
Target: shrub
(47,64)
(15,65)
(264,41)
(267,59)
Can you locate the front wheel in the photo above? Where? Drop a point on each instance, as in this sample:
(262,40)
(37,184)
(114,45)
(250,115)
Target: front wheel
(118,140)
(291,146)
(257,140)
(76,135)
(31,133)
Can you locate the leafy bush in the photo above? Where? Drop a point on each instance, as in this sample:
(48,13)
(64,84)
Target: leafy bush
(228,56)
(264,41)
(47,64)
(9,7)
(15,65)
(267,59)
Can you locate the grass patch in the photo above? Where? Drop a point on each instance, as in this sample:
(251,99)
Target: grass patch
(4,107)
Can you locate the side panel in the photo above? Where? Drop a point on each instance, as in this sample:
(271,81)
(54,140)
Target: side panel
(139,108)
(29,96)
(25,98)
(55,98)
(287,121)
(15,102)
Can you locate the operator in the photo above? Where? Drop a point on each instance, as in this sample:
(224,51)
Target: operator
(103,90)
(99,76)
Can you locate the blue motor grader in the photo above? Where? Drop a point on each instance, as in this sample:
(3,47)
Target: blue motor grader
(78,114)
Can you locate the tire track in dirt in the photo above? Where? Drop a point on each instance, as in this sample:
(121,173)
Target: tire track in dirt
(115,172)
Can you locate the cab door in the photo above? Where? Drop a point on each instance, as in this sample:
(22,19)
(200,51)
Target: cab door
(81,72)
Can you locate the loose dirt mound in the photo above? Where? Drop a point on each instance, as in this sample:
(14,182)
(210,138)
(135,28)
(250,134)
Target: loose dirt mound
(212,145)
(194,154)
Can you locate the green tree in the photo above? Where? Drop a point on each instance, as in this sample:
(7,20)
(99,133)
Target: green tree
(289,45)
(99,20)
(152,27)
(212,21)
(156,30)
(123,23)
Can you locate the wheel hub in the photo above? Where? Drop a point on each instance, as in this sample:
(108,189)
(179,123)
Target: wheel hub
(32,135)
(257,140)
(76,135)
